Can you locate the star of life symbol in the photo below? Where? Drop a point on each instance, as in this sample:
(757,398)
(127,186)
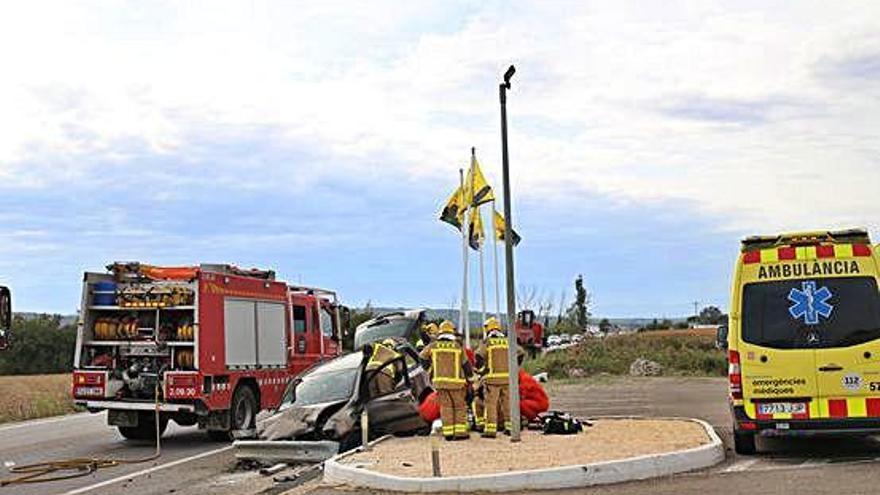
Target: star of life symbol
(809,303)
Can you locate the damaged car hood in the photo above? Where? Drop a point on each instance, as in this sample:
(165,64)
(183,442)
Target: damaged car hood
(293,421)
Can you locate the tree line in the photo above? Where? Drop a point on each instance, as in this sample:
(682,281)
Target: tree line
(39,345)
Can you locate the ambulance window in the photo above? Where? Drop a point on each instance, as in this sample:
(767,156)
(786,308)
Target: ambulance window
(815,313)
(299,319)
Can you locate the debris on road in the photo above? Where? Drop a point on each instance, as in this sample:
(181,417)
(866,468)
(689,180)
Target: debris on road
(292,451)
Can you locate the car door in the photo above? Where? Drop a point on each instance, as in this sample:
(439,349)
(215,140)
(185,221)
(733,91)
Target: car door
(395,411)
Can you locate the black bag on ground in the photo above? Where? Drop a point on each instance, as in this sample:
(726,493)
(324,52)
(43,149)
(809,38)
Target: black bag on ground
(560,423)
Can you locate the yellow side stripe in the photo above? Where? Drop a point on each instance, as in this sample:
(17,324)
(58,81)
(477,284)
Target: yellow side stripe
(856,407)
(769,255)
(843,251)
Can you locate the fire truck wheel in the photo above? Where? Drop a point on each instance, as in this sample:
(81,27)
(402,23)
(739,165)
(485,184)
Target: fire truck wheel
(146,427)
(744,443)
(244,408)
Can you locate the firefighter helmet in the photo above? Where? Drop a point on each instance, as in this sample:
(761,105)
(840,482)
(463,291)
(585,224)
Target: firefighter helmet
(446,328)
(431,329)
(492,324)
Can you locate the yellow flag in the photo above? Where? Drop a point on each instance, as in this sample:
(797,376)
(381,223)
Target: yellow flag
(476,234)
(498,225)
(453,212)
(477,190)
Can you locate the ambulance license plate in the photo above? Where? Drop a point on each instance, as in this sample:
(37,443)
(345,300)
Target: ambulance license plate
(770,408)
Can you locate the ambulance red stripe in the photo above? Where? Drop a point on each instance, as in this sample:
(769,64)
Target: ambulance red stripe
(837,408)
(861,250)
(825,251)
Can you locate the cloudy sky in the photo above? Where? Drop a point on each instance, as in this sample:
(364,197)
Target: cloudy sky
(321,139)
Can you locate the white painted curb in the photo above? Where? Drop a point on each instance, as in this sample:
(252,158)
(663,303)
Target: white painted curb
(600,473)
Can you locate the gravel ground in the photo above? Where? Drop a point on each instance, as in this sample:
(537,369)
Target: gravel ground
(606,440)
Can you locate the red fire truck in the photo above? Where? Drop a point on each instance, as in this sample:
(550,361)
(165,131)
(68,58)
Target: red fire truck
(208,345)
(529,333)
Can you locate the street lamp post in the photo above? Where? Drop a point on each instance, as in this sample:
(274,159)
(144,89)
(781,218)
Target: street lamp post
(513,379)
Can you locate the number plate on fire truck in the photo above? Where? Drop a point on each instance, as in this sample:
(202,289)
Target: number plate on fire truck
(770,408)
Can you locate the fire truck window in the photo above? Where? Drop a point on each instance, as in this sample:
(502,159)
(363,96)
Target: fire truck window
(299,319)
(327,322)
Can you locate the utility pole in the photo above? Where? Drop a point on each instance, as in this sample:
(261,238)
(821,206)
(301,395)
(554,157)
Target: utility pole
(696,312)
(513,376)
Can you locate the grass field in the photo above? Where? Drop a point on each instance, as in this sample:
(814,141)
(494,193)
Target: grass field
(680,352)
(34,396)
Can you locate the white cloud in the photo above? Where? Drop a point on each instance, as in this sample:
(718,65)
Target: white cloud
(735,109)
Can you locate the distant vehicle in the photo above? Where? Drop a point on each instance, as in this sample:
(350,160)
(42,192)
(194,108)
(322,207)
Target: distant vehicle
(577,338)
(804,336)
(529,333)
(208,345)
(5,317)
(564,338)
(554,340)
(326,402)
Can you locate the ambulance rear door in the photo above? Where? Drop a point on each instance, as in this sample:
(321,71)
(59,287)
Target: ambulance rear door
(848,355)
(778,362)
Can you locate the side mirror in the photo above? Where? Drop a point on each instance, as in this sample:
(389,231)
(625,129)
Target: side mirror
(721,338)
(5,317)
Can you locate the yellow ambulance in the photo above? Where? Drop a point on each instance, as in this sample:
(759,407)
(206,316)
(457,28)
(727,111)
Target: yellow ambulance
(804,336)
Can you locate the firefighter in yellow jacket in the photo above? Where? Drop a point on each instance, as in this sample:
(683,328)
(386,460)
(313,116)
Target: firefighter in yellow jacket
(450,371)
(479,387)
(491,359)
(382,353)
(426,335)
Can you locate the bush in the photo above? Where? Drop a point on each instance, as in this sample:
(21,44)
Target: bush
(39,345)
(684,354)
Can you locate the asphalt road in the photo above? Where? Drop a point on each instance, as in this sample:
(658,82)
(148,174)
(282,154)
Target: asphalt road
(187,455)
(807,466)
(191,464)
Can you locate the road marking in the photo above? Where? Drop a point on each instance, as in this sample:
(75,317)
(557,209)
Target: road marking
(147,471)
(768,464)
(38,422)
(741,466)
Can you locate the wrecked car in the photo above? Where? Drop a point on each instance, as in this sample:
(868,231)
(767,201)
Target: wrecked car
(403,325)
(326,402)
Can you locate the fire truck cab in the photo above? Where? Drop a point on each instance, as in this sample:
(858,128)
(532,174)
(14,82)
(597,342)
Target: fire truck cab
(210,345)
(529,333)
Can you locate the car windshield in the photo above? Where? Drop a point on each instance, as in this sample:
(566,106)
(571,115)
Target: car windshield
(331,382)
(814,313)
(384,328)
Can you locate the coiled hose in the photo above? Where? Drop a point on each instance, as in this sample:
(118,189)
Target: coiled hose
(65,469)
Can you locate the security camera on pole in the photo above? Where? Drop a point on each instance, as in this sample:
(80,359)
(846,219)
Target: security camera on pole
(508,256)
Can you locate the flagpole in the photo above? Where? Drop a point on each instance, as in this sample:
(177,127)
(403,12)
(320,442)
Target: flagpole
(482,277)
(465,230)
(495,260)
